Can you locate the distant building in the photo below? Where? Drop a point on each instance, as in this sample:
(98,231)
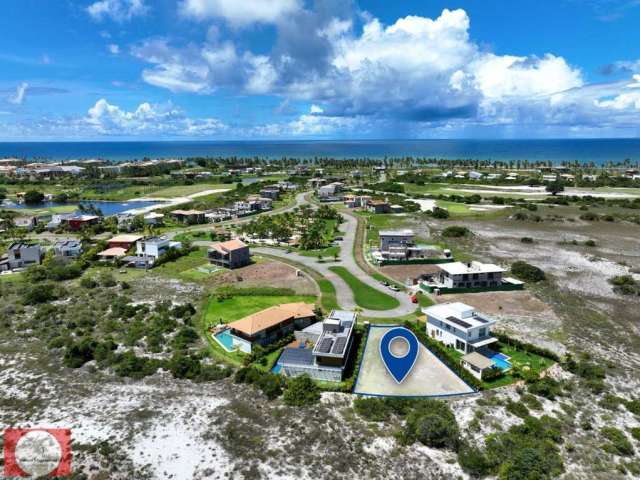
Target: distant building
(67,248)
(473,175)
(379,206)
(398,245)
(153,247)
(230,254)
(28,222)
(154,218)
(21,255)
(272,192)
(190,217)
(124,241)
(80,221)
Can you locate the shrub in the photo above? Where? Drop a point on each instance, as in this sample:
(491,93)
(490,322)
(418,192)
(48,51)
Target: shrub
(107,280)
(301,392)
(434,425)
(545,387)
(527,272)
(589,217)
(526,240)
(590,243)
(517,408)
(374,409)
(531,401)
(77,354)
(41,293)
(473,461)
(635,432)
(633,406)
(33,197)
(88,283)
(441,213)
(128,364)
(625,285)
(455,231)
(618,444)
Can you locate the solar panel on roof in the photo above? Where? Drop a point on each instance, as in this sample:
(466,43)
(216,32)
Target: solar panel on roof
(338,347)
(457,321)
(481,320)
(325,345)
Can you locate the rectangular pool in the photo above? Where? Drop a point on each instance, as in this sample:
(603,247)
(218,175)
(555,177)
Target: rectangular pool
(501,361)
(226,339)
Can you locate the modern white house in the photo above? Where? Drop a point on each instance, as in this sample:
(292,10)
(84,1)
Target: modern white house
(331,192)
(332,341)
(153,218)
(153,247)
(467,275)
(473,175)
(460,326)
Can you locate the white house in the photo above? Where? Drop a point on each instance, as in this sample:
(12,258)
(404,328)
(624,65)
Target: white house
(468,275)
(552,177)
(153,218)
(473,175)
(153,247)
(459,326)
(67,248)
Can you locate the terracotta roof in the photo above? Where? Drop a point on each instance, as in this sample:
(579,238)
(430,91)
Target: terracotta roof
(113,252)
(230,245)
(272,316)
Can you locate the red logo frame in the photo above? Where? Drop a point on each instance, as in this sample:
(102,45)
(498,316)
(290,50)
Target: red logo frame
(13,435)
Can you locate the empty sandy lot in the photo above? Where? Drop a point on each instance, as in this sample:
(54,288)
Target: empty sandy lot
(266,274)
(429,377)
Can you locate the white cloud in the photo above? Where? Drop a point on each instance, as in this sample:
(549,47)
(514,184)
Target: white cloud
(240,12)
(113,49)
(117,10)
(107,119)
(416,70)
(20,95)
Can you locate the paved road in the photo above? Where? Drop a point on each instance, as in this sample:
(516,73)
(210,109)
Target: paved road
(347,260)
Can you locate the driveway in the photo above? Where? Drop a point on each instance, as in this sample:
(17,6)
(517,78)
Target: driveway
(344,293)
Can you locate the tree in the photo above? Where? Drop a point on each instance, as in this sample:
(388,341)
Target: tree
(33,197)
(555,187)
(527,272)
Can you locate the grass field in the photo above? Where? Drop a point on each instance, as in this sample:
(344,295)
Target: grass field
(364,295)
(327,253)
(184,267)
(239,306)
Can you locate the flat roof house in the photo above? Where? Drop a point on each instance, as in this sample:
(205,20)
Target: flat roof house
(153,218)
(379,206)
(67,248)
(124,241)
(190,217)
(333,341)
(469,275)
(28,222)
(230,254)
(153,247)
(459,326)
(272,192)
(80,221)
(271,324)
(22,254)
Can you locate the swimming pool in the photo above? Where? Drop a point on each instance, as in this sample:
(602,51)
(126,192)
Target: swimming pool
(226,340)
(501,361)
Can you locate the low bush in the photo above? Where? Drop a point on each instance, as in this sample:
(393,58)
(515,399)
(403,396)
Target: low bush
(441,213)
(456,231)
(618,443)
(527,272)
(432,424)
(301,392)
(545,387)
(517,408)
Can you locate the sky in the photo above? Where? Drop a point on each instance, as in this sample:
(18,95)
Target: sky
(324,69)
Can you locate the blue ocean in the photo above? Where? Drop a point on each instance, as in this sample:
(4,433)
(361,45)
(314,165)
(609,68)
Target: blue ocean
(598,151)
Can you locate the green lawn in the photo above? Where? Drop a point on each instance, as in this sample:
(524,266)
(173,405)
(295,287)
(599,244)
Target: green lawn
(183,266)
(366,296)
(240,306)
(328,291)
(454,208)
(328,253)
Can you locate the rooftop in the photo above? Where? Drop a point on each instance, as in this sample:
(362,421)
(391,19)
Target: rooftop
(229,245)
(457,314)
(113,252)
(67,244)
(271,317)
(187,212)
(126,238)
(477,360)
(460,268)
(337,329)
(17,245)
(397,233)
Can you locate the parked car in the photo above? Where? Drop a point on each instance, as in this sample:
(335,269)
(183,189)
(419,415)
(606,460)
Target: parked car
(394,288)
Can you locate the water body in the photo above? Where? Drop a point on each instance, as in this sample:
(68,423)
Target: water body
(598,151)
(107,208)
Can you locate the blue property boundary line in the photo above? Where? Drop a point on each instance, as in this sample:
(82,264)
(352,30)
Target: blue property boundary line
(444,395)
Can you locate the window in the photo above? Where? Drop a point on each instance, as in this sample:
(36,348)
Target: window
(490,275)
(476,276)
(482,332)
(460,345)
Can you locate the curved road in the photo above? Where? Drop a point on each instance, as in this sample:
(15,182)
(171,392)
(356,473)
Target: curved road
(344,293)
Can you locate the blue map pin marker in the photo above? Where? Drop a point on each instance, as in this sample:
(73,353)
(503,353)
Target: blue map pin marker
(399,366)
